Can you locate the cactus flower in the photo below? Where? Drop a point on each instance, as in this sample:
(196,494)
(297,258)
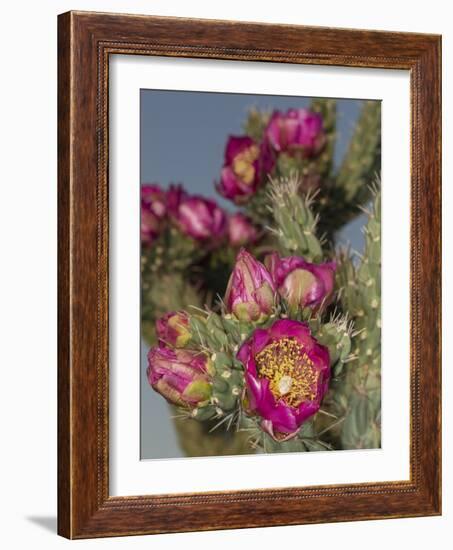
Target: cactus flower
(153,211)
(241,171)
(201,218)
(182,376)
(250,294)
(296,130)
(287,374)
(301,283)
(241,230)
(173,329)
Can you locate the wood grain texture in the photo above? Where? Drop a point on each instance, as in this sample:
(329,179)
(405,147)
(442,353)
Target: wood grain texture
(86,40)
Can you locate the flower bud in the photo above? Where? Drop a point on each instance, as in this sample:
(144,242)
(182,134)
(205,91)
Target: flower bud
(298,130)
(182,377)
(241,230)
(153,211)
(240,175)
(300,283)
(250,295)
(201,218)
(173,329)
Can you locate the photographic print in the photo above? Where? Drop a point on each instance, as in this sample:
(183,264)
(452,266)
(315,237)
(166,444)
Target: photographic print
(220,305)
(260,274)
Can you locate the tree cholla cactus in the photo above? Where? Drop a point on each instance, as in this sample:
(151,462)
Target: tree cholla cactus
(267,335)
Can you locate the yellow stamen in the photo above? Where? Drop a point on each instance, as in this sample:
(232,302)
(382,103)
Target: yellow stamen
(291,373)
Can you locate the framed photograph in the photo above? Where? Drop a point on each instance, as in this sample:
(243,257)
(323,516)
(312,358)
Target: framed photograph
(249,275)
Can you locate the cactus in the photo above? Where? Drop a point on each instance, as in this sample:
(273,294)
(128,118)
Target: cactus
(300,207)
(256,123)
(362,160)
(328,110)
(295,224)
(205,439)
(348,188)
(161,294)
(359,393)
(220,337)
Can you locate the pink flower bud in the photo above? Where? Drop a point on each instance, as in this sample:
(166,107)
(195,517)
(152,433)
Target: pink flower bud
(183,377)
(296,130)
(201,218)
(153,212)
(173,329)
(300,283)
(246,163)
(241,230)
(250,295)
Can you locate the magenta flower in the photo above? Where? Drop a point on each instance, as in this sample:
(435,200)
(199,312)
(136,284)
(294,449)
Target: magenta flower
(240,175)
(241,230)
(301,283)
(182,376)
(287,374)
(153,211)
(297,130)
(173,329)
(201,218)
(250,294)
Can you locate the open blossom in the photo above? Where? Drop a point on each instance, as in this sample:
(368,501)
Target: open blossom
(250,294)
(287,374)
(296,130)
(183,377)
(153,211)
(240,175)
(173,329)
(301,283)
(201,218)
(241,230)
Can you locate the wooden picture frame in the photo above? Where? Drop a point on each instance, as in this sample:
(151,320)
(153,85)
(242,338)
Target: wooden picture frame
(85,42)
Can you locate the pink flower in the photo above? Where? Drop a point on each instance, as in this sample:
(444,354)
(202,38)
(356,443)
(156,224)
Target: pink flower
(287,374)
(241,230)
(242,170)
(182,376)
(250,294)
(301,283)
(201,218)
(297,130)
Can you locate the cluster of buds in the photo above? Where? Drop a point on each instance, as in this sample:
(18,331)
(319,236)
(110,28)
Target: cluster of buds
(199,218)
(247,163)
(284,370)
(189,372)
(183,376)
(254,288)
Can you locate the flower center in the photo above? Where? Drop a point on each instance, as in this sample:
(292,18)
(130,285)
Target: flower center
(243,164)
(291,373)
